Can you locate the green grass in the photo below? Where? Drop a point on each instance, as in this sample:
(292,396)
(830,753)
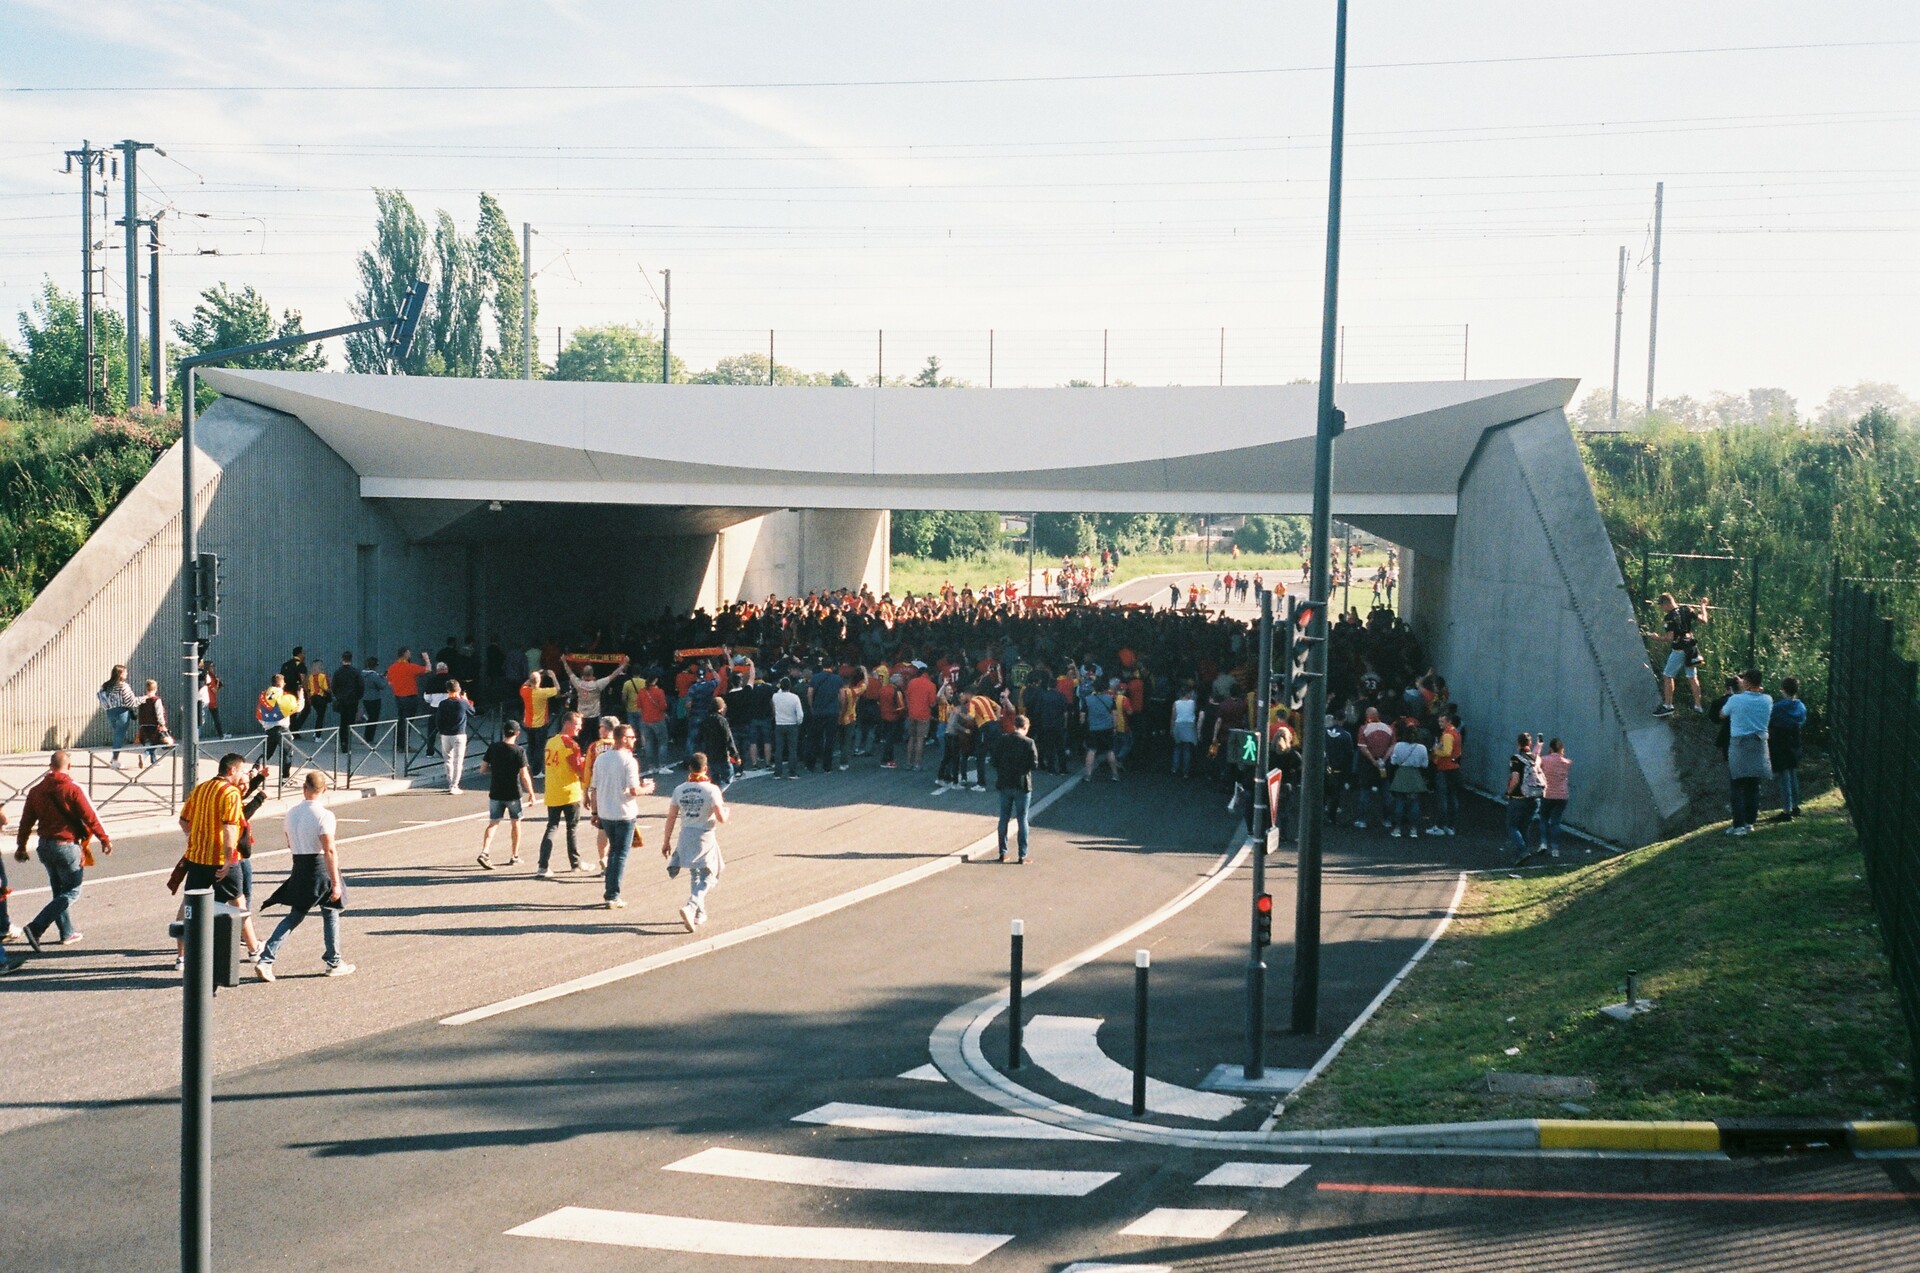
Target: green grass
(925,574)
(1763,954)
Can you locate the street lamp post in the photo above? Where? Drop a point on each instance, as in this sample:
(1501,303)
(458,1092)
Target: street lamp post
(1313,734)
(196,1091)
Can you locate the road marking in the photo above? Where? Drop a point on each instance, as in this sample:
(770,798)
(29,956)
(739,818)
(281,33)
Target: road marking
(1184,1222)
(1254,1175)
(831,1173)
(1084,1266)
(1069,1049)
(739,936)
(1604,1195)
(882,1118)
(768,1241)
(925,1074)
(270,853)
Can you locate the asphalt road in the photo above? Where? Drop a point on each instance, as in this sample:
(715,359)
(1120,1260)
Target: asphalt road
(744,1108)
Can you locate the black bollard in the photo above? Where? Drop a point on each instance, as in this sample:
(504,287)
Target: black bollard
(1013,995)
(196,1089)
(1141,959)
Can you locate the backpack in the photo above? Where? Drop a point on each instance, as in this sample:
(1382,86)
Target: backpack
(1532,787)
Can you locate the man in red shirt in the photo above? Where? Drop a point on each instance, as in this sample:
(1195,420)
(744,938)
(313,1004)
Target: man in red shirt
(61,812)
(1374,740)
(921,691)
(403,674)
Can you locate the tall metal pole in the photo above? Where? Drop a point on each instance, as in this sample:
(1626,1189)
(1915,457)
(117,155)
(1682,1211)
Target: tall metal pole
(1466,331)
(1103,358)
(1223,357)
(666,329)
(1313,735)
(157,345)
(1256,1065)
(526,300)
(190,606)
(1653,313)
(880,359)
(130,219)
(196,1088)
(989,357)
(769,355)
(89,158)
(1619,315)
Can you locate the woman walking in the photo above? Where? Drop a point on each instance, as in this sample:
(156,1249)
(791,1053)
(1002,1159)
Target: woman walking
(1186,732)
(118,700)
(1525,786)
(1553,794)
(210,702)
(1408,760)
(696,811)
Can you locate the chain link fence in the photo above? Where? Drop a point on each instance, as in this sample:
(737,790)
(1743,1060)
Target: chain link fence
(1873,720)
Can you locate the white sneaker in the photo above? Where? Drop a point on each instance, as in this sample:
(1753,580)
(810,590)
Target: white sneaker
(1414,834)
(617,904)
(1361,824)
(979,786)
(699,917)
(1395,833)
(543,874)
(456,791)
(337,970)
(687,914)
(263,971)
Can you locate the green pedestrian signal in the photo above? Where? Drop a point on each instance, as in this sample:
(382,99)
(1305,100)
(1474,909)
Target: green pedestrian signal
(1243,747)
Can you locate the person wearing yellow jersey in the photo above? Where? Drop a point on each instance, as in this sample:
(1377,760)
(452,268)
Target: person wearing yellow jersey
(536,702)
(275,713)
(566,789)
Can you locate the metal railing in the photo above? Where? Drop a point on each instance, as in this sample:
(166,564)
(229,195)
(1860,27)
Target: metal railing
(1873,723)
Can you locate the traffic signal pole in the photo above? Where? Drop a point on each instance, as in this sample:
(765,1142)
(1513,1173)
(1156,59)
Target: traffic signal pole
(1256,1066)
(1313,733)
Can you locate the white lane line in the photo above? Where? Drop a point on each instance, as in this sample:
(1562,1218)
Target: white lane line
(1184,1222)
(925,1074)
(1069,1049)
(882,1118)
(767,1241)
(1094,1266)
(95,881)
(738,936)
(1254,1175)
(833,1173)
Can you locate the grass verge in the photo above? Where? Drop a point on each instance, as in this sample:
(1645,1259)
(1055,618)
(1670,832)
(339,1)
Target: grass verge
(1772,983)
(925,574)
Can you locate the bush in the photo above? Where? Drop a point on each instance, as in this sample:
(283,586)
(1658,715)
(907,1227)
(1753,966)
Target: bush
(944,535)
(1263,534)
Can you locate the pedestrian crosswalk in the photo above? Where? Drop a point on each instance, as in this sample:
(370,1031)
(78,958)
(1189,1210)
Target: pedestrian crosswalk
(1069,1049)
(989,1147)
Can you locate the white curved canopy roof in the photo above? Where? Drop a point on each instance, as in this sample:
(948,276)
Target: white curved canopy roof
(1238,449)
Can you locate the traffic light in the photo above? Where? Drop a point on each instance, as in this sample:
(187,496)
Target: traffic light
(1263,919)
(206,583)
(1298,647)
(1243,747)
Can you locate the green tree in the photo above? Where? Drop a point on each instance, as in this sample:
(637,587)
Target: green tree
(9,371)
(224,318)
(945,535)
(929,377)
(616,351)
(1263,534)
(398,257)
(751,369)
(450,324)
(52,360)
(1065,534)
(501,274)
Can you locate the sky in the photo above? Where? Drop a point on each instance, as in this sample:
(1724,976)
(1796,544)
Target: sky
(1034,193)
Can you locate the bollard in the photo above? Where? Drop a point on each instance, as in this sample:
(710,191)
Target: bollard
(1013,995)
(1141,959)
(196,1089)
(1633,991)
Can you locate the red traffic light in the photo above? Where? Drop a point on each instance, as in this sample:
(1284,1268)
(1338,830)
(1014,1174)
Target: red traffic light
(1264,903)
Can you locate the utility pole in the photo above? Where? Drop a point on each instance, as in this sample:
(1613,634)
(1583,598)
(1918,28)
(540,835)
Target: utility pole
(90,161)
(769,355)
(990,371)
(1223,357)
(157,346)
(666,329)
(1313,734)
(130,219)
(1619,314)
(1103,358)
(526,300)
(1653,313)
(880,361)
(1466,332)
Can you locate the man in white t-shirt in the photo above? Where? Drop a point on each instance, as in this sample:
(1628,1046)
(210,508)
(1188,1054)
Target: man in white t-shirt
(789,714)
(617,788)
(314,880)
(696,812)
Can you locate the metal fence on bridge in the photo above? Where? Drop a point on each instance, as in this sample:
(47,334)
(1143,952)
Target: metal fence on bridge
(1873,722)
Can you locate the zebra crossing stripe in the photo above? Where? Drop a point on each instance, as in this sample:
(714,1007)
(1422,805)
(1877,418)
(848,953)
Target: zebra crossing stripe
(767,1241)
(1254,1175)
(832,1173)
(1184,1222)
(1086,1266)
(883,1118)
(924,1074)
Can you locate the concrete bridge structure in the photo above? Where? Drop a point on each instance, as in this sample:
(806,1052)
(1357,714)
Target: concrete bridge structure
(368,512)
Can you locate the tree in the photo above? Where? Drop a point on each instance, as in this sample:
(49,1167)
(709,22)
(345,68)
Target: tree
(9,371)
(224,318)
(52,357)
(502,273)
(929,377)
(751,369)
(1845,405)
(1263,534)
(451,321)
(616,351)
(945,535)
(398,257)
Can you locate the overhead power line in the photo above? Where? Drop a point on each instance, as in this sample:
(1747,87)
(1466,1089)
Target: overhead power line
(951,81)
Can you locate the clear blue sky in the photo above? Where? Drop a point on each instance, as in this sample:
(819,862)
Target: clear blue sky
(1484,191)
